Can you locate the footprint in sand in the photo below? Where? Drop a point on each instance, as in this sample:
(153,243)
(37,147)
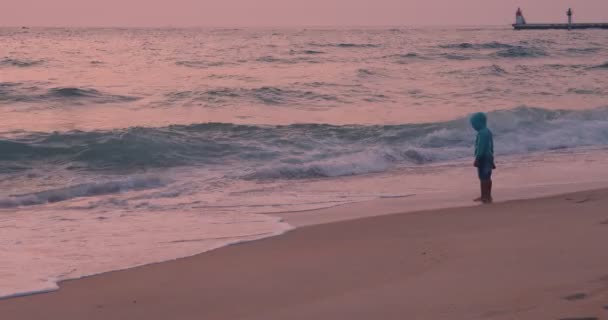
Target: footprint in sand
(576,296)
(583,200)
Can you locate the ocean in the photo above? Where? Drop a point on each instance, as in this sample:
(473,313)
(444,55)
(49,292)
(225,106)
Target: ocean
(124,147)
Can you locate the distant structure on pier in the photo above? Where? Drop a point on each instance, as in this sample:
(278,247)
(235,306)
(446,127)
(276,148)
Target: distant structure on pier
(519,17)
(521,24)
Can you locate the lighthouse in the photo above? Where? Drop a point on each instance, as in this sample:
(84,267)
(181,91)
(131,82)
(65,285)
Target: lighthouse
(519,17)
(569,14)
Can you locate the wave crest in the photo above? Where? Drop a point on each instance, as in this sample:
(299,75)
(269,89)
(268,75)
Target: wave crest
(80,190)
(305,150)
(346,45)
(22,92)
(485,45)
(20,63)
(601,66)
(265,95)
(200,64)
(521,52)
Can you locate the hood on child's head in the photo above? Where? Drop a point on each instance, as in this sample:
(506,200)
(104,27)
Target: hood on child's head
(479,121)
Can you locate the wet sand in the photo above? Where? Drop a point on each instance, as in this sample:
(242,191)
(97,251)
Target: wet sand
(531,259)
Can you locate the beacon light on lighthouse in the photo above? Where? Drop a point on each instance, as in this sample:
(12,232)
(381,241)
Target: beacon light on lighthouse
(519,17)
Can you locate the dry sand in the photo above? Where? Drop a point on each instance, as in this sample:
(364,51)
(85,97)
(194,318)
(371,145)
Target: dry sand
(530,259)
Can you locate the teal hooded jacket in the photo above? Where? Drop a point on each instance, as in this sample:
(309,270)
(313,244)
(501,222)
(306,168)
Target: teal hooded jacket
(484,144)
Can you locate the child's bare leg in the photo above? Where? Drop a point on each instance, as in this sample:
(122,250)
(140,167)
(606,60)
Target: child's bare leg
(486,193)
(480,198)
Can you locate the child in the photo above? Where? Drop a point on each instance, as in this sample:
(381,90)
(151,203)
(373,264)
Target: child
(484,155)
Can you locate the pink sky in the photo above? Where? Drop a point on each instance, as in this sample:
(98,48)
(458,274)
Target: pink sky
(290,12)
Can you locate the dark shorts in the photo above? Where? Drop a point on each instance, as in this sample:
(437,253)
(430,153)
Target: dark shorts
(484,170)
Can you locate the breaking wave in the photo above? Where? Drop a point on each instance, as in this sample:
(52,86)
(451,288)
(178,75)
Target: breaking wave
(451,56)
(408,55)
(346,45)
(584,50)
(520,52)
(21,92)
(486,45)
(597,91)
(265,95)
(80,190)
(20,63)
(200,64)
(491,70)
(313,52)
(501,50)
(601,66)
(305,150)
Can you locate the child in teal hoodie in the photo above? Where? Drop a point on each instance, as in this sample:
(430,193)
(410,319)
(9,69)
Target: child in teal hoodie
(484,155)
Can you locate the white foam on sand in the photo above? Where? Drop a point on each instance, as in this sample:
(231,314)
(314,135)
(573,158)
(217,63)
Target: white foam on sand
(44,246)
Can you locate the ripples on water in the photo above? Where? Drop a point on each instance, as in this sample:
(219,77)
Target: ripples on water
(368,76)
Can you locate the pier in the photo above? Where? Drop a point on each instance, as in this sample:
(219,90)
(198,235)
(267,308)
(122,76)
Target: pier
(521,24)
(545,26)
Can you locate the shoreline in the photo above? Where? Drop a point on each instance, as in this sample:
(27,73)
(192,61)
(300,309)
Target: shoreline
(383,205)
(338,242)
(424,203)
(390,197)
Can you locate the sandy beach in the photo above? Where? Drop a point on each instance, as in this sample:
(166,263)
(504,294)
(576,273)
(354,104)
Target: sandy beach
(530,259)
